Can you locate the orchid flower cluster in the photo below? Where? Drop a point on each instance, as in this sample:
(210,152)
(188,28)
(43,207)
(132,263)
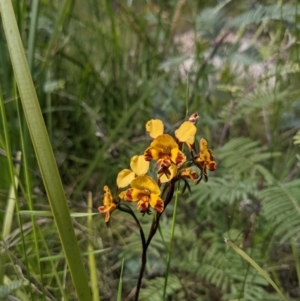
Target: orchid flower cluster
(172,166)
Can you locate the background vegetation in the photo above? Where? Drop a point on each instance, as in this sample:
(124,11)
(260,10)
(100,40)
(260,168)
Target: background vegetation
(101,70)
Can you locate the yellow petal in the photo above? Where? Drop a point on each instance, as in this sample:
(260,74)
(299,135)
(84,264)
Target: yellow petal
(107,198)
(139,165)
(133,194)
(151,154)
(164,143)
(186,132)
(177,156)
(155,127)
(145,183)
(125,177)
(203,145)
(157,203)
(122,194)
(173,172)
(106,189)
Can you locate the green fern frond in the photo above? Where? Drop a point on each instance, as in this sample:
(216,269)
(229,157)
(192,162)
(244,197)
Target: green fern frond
(210,23)
(254,102)
(281,206)
(241,161)
(7,289)
(296,138)
(222,191)
(262,13)
(228,273)
(241,156)
(247,57)
(154,288)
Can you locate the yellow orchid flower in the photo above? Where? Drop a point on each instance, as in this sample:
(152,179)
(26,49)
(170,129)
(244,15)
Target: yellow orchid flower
(187,173)
(165,150)
(139,166)
(108,204)
(205,160)
(146,191)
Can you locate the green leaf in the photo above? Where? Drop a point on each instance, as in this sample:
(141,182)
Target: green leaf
(43,151)
(119,298)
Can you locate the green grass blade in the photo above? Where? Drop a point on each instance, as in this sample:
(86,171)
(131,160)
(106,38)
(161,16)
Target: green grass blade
(10,209)
(44,152)
(13,203)
(32,32)
(58,25)
(296,258)
(171,244)
(41,213)
(255,265)
(91,255)
(119,298)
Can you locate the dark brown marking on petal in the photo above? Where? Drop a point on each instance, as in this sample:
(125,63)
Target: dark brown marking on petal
(147,155)
(159,206)
(128,195)
(143,205)
(166,161)
(212,166)
(179,159)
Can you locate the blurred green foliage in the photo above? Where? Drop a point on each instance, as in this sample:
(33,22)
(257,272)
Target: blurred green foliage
(102,69)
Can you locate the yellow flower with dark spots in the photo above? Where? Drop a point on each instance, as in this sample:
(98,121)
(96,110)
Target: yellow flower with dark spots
(165,150)
(108,204)
(188,173)
(146,192)
(205,160)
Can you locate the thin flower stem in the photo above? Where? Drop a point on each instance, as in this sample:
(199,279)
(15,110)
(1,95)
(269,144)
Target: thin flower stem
(171,242)
(154,226)
(142,270)
(125,208)
(153,229)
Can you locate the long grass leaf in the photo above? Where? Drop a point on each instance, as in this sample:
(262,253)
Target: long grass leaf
(171,244)
(10,208)
(91,255)
(255,265)
(32,32)
(119,298)
(43,151)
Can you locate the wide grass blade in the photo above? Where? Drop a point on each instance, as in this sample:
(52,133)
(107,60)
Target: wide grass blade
(43,151)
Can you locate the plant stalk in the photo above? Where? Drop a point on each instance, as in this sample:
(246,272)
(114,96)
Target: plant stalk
(154,227)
